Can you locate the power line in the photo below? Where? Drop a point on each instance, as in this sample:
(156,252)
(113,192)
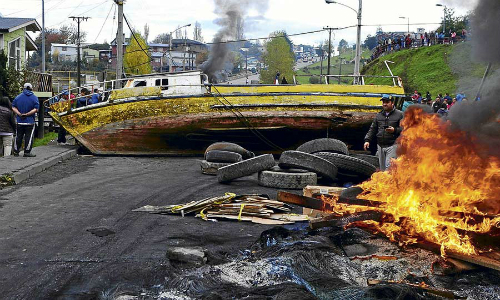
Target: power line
(111,8)
(93,8)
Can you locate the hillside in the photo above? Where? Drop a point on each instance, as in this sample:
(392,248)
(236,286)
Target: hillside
(438,69)
(347,68)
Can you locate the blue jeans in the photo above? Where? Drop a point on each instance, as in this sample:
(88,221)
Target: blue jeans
(384,156)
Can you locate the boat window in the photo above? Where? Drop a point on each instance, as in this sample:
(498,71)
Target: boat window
(140,83)
(157,82)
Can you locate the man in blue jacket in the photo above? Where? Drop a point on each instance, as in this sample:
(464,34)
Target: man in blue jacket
(25,106)
(386,128)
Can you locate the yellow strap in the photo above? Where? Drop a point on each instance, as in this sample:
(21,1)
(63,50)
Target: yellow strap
(202,214)
(241,210)
(173,209)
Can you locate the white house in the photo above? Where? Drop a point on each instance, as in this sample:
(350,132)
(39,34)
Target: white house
(67,52)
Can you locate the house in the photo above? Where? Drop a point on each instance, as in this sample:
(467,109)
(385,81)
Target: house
(15,41)
(183,54)
(68,52)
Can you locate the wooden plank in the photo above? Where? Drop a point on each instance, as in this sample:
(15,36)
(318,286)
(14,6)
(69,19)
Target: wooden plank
(341,221)
(428,289)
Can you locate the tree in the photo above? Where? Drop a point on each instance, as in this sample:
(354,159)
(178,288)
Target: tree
(135,60)
(370,42)
(197,32)
(343,46)
(278,58)
(162,38)
(3,74)
(454,23)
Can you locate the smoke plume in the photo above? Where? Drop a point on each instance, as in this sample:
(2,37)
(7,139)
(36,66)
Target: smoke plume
(482,118)
(231,15)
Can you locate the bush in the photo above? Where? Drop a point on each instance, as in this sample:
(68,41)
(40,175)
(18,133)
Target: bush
(314,79)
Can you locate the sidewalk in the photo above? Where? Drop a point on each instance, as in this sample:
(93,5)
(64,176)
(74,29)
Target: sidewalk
(21,168)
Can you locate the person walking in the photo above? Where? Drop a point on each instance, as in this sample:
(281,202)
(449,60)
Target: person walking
(7,126)
(387,128)
(25,106)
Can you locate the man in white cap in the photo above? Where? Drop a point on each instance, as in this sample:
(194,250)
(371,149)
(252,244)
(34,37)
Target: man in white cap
(25,106)
(386,128)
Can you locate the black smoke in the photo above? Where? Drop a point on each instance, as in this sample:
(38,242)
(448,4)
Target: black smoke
(482,118)
(231,17)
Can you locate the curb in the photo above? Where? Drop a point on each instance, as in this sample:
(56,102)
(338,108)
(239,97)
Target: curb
(20,175)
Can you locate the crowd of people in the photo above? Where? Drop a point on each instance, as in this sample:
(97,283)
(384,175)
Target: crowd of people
(18,117)
(440,104)
(389,43)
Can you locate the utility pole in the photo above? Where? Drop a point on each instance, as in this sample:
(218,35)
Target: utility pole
(119,43)
(329,52)
(43,36)
(340,67)
(358,46)
(78,20)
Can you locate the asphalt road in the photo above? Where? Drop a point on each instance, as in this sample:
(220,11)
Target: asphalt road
(47,250)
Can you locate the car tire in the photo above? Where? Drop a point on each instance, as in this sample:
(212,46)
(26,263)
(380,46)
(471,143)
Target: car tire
(245,167)
(210,168)
(310,162)
(223,156)
(348,164)
(287,180)
(372,159)
(324,145)
(231,147)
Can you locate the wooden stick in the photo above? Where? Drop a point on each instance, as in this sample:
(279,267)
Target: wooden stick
(431,290)
(341,221)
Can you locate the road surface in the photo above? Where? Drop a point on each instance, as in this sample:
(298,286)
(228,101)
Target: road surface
(48,250)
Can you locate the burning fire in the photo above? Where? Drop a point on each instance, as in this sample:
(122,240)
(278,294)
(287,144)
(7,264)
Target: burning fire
(442,186)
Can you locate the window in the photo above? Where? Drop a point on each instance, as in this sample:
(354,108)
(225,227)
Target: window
(15,54)
(64,49)
(162,82)
(140,83)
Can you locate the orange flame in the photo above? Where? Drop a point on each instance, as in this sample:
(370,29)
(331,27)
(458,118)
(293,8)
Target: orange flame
(439,171)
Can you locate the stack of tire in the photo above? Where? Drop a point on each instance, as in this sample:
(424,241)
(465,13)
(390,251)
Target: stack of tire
(222,154)
(332,161)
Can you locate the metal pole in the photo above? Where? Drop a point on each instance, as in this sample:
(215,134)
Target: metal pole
(340,67)
(43,36)
(78,55)
(358,45)
(170,53)
(246,65)
(486,72)
(408,24)
(119,43)
(329,54)
(444,21)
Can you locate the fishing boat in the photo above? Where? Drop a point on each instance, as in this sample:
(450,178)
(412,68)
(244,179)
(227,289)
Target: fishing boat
(181,114)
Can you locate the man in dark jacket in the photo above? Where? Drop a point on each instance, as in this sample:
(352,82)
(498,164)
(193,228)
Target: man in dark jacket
(386,127)
(25,106)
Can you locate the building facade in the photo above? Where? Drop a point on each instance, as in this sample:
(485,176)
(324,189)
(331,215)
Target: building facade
(15,41)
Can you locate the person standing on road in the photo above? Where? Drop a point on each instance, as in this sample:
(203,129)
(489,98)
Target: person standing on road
(7,126)
(25,106)
(277,78)
(386,127)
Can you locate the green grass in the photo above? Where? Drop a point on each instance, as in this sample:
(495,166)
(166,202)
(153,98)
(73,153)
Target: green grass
(347,69)
(48,137)
(437,69)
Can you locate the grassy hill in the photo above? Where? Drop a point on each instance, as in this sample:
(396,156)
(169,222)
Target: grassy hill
(438,69)
(347,68)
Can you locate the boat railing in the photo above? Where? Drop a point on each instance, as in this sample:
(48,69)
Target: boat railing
(106,88)
(396,80)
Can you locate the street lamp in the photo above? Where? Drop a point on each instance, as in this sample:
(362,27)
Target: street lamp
(408,22)
(170,47)
(246,62)
(358,40)
(444,17)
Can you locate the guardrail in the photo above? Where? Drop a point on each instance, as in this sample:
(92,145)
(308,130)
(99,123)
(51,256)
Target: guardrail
(360,78)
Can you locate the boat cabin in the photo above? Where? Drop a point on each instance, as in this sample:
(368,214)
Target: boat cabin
(185,83)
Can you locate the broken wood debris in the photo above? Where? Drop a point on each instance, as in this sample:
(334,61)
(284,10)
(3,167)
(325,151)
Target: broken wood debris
(422,286)
(254,208)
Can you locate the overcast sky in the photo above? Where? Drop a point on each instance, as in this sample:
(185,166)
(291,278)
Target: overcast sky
(294,16)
